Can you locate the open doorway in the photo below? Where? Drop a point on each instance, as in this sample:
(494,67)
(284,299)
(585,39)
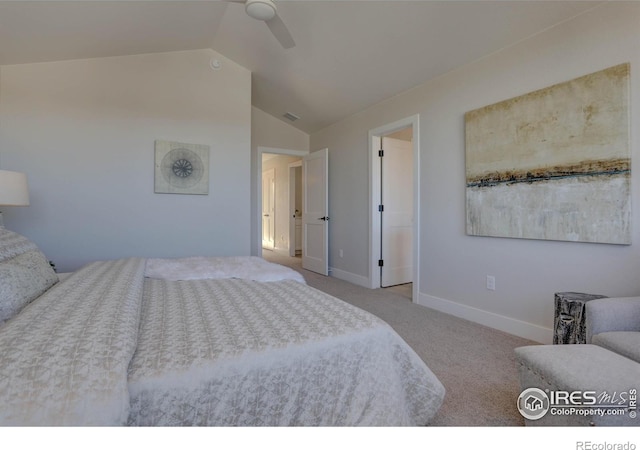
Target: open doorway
(278,202)
(396,213)
(268,208)
(395,207)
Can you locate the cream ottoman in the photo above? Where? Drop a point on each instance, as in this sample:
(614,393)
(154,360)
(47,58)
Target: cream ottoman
(584,385)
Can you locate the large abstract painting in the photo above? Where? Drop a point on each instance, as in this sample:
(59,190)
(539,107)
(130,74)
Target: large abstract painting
(553,164)
(181,168)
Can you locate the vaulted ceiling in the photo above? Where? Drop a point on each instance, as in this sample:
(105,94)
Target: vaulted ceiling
(349,55)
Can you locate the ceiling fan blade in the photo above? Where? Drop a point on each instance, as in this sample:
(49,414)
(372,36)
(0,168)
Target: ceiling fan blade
(279,30)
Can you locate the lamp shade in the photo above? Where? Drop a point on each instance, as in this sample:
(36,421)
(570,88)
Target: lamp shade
(13,189)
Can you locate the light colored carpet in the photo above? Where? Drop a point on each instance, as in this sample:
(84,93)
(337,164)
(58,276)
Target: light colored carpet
(475,363)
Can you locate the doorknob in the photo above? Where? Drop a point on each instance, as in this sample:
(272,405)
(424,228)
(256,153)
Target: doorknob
(266,215)
(323,218)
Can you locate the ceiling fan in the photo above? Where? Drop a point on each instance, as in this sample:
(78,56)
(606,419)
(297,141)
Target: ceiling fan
(266,11)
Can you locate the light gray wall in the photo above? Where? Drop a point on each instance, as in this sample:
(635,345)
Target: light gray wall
(84,133)
(453,265)
(270,132)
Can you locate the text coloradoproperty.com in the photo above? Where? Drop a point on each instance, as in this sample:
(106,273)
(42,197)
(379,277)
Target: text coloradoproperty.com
(584,411)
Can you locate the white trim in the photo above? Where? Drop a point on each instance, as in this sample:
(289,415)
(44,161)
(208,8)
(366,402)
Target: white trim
(503,323)
(350,277)
(258,206)
(374,192)
(281,151)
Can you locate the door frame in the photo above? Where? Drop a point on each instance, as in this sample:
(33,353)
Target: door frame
(375,227)
(257,213)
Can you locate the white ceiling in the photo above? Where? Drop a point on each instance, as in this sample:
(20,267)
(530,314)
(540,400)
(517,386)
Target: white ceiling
(348,56)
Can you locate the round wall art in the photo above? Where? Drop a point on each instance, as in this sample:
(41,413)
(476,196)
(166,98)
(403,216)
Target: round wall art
(181,168)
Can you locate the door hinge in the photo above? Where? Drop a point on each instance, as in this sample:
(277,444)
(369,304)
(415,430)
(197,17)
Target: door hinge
(380,153)
(380,263)
(380,208)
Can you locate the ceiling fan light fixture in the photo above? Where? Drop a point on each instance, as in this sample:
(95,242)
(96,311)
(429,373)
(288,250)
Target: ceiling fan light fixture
(260,9)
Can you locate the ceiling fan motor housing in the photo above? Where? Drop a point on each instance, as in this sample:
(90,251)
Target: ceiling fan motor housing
(260,9)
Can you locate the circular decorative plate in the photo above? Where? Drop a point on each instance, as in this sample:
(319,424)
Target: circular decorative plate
(182,168)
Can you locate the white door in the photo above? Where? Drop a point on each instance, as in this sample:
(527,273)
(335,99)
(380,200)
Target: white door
(397,214)
(315,210)
(268,209)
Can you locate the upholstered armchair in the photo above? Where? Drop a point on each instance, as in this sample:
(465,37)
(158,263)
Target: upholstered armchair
(614,323)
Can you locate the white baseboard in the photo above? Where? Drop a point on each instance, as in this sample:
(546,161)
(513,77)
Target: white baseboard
(350,277)
(507,324)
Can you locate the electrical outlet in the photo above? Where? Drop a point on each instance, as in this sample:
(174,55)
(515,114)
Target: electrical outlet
(491,282)
(341,253)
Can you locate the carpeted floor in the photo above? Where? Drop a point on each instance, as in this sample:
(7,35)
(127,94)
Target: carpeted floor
(475,363)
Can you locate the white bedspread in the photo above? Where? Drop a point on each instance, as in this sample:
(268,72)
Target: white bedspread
(108,346)
(242,353)
(218,267)
(64,358)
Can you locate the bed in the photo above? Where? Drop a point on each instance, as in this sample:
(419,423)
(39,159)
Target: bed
(129,342)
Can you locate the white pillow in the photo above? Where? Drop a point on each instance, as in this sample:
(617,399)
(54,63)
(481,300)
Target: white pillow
(25,273)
